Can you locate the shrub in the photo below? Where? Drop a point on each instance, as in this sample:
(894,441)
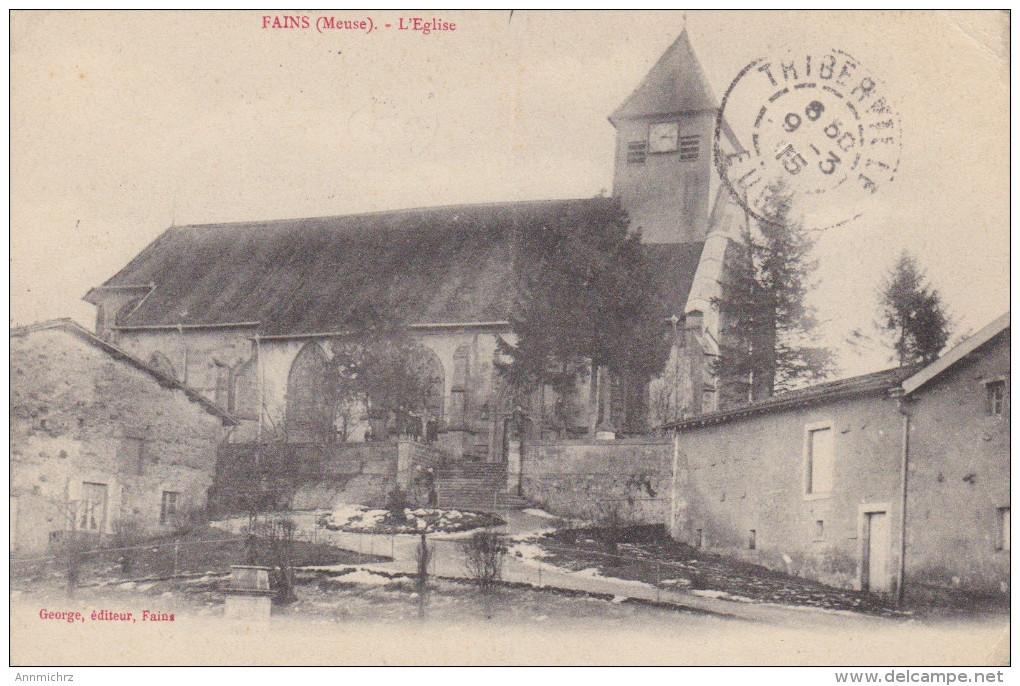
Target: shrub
(127,536)
(396,502)
(75,549)
(483,557)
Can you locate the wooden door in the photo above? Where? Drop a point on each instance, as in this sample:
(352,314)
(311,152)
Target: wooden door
(877,553)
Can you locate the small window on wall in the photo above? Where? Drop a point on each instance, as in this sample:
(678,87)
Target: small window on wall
(995,398)
(1002,542)
(819,460)
(168,508)
(752,540)
(636,152)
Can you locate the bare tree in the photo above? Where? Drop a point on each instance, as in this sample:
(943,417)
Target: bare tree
(423,555)
(484,553)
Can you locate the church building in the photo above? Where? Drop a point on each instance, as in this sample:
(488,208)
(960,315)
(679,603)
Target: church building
(248,313)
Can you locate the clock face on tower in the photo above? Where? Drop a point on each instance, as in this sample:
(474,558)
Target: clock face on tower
(663,137)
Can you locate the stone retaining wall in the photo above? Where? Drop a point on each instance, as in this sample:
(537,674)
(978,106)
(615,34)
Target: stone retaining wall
(309,476)
(626,479)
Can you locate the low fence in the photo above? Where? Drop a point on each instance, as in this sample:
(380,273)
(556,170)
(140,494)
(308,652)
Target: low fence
(86,560)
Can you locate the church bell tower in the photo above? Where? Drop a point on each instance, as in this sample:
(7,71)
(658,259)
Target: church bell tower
(664,174)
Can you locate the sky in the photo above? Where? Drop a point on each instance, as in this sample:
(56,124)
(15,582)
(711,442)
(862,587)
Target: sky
(123,124)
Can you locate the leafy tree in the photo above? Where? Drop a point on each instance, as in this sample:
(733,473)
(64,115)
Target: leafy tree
(766,338)
(380,367)
(912,313)
(585,301)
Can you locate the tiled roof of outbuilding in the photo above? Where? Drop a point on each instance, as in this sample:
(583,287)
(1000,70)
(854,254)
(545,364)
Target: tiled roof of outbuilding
(877,382)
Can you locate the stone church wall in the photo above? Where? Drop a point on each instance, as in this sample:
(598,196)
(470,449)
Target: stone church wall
(207,359)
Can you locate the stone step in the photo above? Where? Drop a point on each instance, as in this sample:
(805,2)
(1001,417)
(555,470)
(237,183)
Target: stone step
(475,486)
(472,468)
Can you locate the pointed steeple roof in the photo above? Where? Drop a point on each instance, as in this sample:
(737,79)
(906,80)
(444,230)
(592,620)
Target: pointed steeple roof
(676,83)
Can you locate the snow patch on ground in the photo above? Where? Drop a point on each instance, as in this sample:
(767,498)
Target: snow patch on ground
(532,535)
(676,582)
(356,517)
(326,568)
(363,576)
(710,594)
(535,512)
(528,551)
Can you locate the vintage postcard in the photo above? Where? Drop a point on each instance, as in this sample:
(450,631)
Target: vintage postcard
(511,338)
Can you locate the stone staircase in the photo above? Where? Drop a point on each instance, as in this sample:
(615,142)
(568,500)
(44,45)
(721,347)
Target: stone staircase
(479,486)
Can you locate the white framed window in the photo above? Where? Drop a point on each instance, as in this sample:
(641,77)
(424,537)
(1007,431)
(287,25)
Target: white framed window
(819,461)
(92,510)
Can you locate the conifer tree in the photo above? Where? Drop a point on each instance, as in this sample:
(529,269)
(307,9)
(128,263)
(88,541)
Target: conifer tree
(912,313)
(767,331)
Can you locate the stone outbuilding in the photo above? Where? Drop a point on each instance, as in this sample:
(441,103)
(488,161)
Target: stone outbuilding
(889,481)
(101,442)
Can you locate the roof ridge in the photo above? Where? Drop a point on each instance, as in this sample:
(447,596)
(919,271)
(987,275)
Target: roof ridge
(957,353)
(376,213)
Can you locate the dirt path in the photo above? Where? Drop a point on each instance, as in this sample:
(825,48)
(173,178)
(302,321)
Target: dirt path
(447,560)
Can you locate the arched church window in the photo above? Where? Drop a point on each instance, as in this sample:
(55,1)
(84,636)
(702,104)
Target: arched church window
(162,364)
(459,385)
(246,390)
(309,414)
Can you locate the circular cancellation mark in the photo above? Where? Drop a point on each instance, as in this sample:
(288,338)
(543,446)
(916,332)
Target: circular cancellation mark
(818,125)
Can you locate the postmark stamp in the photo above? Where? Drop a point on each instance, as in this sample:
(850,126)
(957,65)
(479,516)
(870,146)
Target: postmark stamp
(819,124)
